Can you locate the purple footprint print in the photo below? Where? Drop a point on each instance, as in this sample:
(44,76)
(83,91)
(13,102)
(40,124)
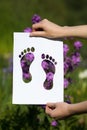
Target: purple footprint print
(26,58)
(48,65)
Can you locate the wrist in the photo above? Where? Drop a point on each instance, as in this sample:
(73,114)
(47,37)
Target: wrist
(72,109)
(68,31)
(65,31)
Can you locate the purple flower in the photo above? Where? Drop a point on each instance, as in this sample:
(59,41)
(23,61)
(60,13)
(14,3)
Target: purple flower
(48,84)
(43,106)
(26,68)
(36,18)
(66,67)
(66,83)
(68,64)
(23,63)
(29,57)
(76,58)
(49,76)
(45,65)
(67,99)
(26,75)
(65,49)
(27,30)
(77,45)
(54,123)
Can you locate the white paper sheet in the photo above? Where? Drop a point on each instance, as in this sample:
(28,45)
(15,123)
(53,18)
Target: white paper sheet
(36,91)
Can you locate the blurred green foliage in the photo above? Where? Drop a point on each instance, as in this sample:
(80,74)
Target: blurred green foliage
(15,15)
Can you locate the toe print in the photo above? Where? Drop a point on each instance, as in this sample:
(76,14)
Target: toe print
(26,58)
(48,65)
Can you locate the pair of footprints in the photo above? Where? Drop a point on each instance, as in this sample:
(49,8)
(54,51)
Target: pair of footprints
(48,65)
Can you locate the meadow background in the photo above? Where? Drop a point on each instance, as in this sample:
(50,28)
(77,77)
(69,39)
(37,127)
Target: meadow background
(15,16)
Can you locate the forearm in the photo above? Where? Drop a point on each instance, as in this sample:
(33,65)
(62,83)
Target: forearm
(78,108)
(51,30)
(76,31)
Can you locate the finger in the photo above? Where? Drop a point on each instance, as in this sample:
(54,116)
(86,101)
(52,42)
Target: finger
(48,110)
(51,105)
(37,25)
(38,33)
